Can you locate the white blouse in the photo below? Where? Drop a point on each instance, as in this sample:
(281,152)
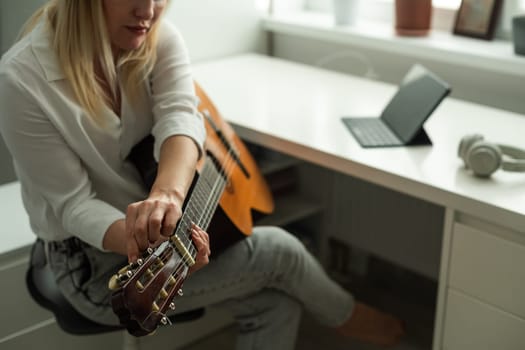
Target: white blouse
(74,175)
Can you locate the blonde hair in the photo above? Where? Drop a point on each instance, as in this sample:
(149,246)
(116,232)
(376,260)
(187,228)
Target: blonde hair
(81,42)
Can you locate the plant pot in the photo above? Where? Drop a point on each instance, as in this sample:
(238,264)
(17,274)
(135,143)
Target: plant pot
(413,17)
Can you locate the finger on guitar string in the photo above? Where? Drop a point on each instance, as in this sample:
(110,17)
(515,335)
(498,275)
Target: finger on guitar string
(197,229)
(200,231)
(203,248)
(201,240)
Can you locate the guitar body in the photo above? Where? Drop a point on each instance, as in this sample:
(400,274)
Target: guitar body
(246,195)
(247,192)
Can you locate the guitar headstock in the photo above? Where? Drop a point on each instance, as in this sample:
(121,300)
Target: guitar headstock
(143,291)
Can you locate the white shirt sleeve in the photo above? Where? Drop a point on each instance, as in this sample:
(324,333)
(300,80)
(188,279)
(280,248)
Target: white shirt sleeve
(173,92)
(54,172)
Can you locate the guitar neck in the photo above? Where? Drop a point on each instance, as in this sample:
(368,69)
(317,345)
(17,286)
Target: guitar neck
(200,207)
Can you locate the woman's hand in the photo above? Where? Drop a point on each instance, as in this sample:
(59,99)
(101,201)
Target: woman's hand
(201,240)
(151,221)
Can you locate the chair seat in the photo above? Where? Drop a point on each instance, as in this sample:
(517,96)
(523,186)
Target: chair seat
(41,284)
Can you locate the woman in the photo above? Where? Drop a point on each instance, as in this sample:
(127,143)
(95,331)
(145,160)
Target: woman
(89,80)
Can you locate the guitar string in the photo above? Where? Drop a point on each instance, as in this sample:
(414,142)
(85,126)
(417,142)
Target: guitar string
(203,198)
(222,174)
(217,190)
(209,202)
(223,179)
(203,217)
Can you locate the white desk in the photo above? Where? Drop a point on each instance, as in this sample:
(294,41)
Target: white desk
(296,109)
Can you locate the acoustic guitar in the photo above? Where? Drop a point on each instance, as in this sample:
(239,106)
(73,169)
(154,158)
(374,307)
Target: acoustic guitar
(227,191)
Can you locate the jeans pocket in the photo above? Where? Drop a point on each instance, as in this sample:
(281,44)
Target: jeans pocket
(79,269)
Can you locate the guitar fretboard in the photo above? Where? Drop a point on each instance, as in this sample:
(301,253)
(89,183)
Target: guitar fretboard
(202,203)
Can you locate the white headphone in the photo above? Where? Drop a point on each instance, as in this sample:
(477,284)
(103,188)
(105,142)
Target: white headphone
(484,158)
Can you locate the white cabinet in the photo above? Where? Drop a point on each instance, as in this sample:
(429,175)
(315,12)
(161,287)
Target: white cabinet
(473,325)
(489,268)
(482,304)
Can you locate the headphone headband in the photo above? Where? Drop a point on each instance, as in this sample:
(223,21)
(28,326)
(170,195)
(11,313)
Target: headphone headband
(512,152)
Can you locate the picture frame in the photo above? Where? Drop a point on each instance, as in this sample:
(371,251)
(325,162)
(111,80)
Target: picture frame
(477,18)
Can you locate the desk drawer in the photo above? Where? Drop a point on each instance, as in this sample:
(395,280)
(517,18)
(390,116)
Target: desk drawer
(489,268)
(473,325)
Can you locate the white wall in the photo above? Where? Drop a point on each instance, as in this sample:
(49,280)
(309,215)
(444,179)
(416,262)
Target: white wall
(211,28)
(499,90)
(13,14)
(215,28)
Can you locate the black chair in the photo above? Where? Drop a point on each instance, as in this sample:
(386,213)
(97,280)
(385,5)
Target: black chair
(43,289)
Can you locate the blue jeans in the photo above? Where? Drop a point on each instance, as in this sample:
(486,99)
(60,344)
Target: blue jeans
(265,280)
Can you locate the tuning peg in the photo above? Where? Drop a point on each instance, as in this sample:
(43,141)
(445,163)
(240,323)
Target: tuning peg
(164,320)
(172,306)
(155,307)
(124,269)
(123,277)
(133,265)
(114,283)
(180,293)
(172,280)
(139,285)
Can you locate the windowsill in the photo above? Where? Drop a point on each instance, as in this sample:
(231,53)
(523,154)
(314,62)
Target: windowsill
(497,55)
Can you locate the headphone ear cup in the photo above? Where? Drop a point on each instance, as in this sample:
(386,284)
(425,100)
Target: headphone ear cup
(484,158)
(465,144)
